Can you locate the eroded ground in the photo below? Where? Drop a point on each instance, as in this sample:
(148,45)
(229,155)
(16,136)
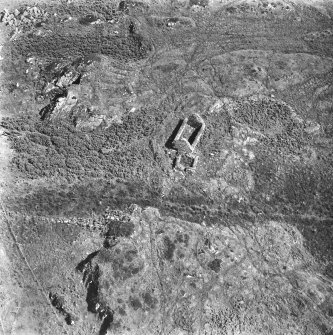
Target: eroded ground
(110,238)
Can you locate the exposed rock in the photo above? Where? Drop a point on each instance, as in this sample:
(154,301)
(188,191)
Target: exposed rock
(129,6)
(200,3)
(312,128)
(255,7)
(23,19)
(214,269)
(59,303)
(179,22)
(60,107)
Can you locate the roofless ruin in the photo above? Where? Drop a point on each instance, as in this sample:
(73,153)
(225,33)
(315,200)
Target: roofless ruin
(185,141)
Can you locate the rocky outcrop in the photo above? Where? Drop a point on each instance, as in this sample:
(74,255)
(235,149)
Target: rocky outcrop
(25,16)
(177,22)
(91,278)
(167,275)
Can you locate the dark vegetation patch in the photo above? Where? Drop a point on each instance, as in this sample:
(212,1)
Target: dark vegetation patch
(116,229)
(290,141)
(62,41)
(297,188)
(135,303)
(103,9)
(301,187)
(122,262)
(46,149)
(273,119)
(81,199)
(265,169)
(84,198)
(218,127)
(215,265)
(120,229)
(189,207)
(226,214)
(309,189)
(318,235)
(130,6)
(94,40)
(40,139)
(130,255)
(320,46)
(169,248)
(149,300)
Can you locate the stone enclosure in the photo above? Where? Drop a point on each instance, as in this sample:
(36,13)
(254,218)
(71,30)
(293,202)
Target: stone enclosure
(185,142)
